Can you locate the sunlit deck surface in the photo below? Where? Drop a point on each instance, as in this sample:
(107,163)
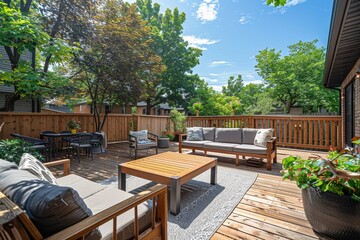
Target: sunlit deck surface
(271,209)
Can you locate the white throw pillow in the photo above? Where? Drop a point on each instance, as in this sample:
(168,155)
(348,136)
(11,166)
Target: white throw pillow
(263,136)
(29,163)
(194,134)
(140,135)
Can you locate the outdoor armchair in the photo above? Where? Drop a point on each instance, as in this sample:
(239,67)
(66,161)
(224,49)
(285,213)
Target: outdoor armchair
(142,140)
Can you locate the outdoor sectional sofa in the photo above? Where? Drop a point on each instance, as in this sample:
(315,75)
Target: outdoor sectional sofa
(238,141)
(67,207)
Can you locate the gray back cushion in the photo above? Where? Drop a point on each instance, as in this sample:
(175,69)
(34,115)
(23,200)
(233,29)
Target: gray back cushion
(228,135)
(209,133)
(249,135)
(51,208)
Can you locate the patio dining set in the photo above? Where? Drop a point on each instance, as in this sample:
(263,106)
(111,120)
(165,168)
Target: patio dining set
(50,143)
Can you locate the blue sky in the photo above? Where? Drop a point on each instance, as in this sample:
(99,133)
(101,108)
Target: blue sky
(232,32)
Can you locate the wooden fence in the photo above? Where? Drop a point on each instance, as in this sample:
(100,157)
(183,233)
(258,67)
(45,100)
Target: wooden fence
(313,132)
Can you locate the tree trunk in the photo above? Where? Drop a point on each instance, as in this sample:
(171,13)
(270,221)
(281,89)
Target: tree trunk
(10,100)
(148,106)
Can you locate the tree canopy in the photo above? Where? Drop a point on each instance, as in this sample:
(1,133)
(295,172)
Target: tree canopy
(176,83)
(296,79)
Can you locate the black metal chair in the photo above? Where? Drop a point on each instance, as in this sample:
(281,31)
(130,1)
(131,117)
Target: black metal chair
(36,143)
(65,140)
(97,141)
(136,144)
(82,141)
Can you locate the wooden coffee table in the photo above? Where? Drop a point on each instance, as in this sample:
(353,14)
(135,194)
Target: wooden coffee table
(170,168)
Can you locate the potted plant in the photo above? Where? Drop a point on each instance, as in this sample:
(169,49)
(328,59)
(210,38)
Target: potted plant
(330,191)
(73,125)
(179,122)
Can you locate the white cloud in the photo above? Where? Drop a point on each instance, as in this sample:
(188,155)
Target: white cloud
(243,20)
(196,42)
(249,76)
(183,1)
(208,10)
(217,88)
(253,81)
(291,3)
(209,80)
(219,62)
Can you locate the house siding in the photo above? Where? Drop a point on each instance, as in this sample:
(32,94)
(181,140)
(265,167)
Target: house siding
(349,79)
(22,105)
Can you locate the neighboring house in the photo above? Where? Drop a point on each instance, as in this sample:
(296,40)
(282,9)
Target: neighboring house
(24,104)
(83,107)
(342,66)
(161,109)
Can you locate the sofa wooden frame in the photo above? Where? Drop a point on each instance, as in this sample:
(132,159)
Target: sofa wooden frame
(271,151)
(15,223)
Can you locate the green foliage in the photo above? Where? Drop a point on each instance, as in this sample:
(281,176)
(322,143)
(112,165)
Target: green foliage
(169,135)
(179,120)
(176,83)
(117,62)
(296,79)
(12,149)
(276,2)
(315,173)
(234,86)
(73,124)
(196,108)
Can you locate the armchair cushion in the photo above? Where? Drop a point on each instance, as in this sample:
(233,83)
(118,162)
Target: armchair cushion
(30,163)
(146,145)
(194,134)
(262,137)
(140,135)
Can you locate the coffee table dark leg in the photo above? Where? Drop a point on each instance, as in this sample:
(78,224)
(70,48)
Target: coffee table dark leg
(121,179)
(175,196)
(213,179)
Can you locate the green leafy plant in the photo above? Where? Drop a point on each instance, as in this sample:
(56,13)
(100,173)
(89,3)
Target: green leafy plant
(179,120)
(338,173)
(12,149)
(73,124)
(168,135)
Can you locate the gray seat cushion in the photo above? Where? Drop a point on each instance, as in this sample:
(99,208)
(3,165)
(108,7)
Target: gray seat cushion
(125,222)
(249,148)
(198,144)
(6,165)
(220,146)
(228,135)
(84,187)
(249,135)
(146,145)
(209,133)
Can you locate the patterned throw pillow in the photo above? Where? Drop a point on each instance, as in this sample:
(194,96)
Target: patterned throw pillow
(141,136)
(194,134)
(262,136)
(30,163)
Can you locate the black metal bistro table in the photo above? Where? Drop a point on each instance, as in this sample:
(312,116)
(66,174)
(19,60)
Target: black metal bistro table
(51,138)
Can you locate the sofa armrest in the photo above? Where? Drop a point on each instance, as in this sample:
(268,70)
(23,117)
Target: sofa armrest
(64,162)
(271,145)
(159,218)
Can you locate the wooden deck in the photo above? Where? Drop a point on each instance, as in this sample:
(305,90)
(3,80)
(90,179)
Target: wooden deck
(271,209)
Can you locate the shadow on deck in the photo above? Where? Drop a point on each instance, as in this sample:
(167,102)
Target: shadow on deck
(271,209)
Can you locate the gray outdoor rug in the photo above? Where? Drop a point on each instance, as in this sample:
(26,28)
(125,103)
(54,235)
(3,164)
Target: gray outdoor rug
(203,206)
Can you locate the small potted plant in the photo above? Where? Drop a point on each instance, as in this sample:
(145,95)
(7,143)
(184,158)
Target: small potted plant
(73,125)
(330,191)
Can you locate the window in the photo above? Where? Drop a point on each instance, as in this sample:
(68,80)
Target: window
(349,113)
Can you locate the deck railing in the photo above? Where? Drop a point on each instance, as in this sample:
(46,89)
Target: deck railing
(312,132)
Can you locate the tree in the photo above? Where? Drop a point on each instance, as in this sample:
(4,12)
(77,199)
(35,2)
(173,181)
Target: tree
(276,2)
(234,86)
(296,79)
(23,30)
(177,84)
(117,61)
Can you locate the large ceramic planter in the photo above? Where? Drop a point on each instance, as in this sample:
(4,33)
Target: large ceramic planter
(332,216)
